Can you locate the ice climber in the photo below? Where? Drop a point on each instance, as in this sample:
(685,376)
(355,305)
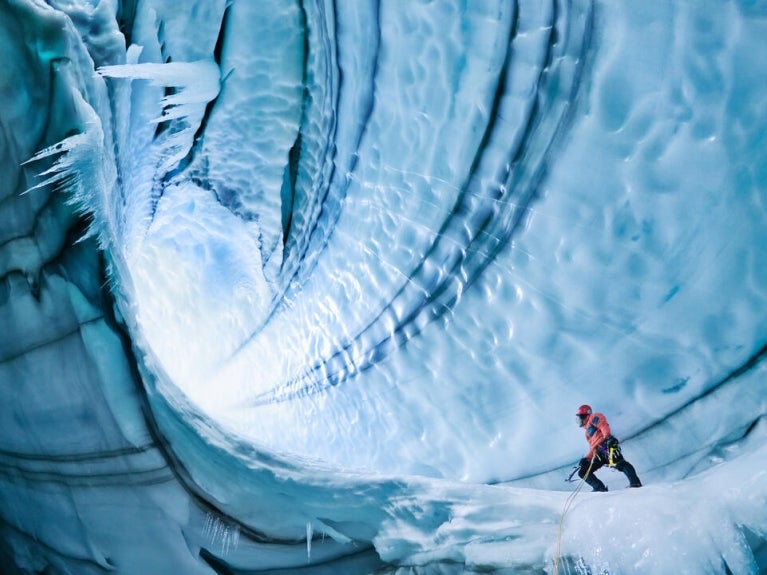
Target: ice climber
(604,449)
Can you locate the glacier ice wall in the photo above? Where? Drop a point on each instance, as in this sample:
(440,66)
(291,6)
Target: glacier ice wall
(318,285)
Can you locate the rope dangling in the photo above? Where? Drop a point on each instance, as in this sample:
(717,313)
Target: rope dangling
(568,504)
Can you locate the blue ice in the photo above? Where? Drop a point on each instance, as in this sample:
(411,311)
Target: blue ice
(318,286)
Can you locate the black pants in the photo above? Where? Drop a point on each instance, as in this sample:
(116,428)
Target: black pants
(602,458)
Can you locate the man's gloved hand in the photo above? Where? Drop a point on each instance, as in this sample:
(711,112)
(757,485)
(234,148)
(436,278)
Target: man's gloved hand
(612,442)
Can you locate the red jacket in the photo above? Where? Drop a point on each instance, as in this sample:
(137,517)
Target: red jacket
(597,430)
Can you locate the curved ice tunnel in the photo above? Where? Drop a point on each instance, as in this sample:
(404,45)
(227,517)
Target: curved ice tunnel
(499,211)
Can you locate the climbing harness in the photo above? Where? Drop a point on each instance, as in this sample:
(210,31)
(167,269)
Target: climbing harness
(612,456)
(568,504)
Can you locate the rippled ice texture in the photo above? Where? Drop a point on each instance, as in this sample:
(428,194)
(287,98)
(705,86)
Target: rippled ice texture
(371,257)
(530,221)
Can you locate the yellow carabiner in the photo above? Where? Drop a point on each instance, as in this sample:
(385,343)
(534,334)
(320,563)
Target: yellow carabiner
(611,457)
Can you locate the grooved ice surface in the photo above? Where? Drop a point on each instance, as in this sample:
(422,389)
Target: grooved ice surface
(342,272)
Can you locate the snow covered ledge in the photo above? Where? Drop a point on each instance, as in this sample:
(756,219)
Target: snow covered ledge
(713,523)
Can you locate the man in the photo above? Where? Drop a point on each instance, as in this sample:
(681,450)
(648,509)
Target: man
(603,449)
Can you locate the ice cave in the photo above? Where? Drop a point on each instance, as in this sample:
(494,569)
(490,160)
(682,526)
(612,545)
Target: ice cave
(317,286)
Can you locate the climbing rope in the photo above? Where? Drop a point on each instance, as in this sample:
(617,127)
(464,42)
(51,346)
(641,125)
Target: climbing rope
(568,504)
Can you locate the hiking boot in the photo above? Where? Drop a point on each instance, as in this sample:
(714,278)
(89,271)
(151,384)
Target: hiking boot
(595,483)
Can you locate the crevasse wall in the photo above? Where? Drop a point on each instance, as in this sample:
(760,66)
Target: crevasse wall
(302,285)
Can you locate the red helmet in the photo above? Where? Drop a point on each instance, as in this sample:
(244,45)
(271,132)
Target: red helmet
(584,410)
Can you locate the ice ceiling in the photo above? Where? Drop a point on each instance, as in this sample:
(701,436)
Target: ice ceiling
(319,285)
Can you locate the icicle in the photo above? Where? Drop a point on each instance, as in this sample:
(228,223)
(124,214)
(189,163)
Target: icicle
(82,169)
(216,529)
(309,533)
(196,83)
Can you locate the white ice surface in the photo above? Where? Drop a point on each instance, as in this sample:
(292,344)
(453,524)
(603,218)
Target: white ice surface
(620,290)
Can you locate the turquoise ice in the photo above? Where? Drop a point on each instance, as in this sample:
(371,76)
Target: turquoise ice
(319,286)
